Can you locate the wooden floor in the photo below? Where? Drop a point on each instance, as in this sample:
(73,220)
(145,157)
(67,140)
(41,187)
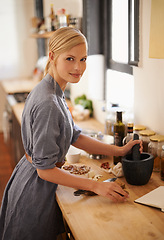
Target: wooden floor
(5,166)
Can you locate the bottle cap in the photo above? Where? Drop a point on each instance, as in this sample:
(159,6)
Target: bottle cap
(157,138)
(139,127)
(147,133)
(130,125)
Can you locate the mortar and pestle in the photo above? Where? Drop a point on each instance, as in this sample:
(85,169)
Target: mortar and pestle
(137,167)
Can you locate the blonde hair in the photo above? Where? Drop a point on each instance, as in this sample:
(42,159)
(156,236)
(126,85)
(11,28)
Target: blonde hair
(63,40)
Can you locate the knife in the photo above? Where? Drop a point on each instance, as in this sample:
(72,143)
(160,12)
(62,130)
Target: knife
(90,193)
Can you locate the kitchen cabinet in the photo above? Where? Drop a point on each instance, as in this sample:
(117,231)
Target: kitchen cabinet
(11,112)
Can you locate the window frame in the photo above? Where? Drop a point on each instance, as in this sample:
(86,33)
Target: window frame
(111,64)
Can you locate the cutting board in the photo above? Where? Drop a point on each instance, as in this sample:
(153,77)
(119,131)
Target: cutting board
(154,198)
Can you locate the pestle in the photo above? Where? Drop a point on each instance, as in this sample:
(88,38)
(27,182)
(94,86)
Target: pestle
(135,149)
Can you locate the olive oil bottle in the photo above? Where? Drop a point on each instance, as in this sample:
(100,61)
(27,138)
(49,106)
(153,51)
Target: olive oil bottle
(119,134)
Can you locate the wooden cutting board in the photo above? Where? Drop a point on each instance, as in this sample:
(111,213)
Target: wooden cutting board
(154,198)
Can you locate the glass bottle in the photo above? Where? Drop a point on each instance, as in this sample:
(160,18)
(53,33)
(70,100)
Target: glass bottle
(155,148)
(62,18)
(110,119)
(52,17)
(162,163)
(129,135)
(119,134)
(145,137)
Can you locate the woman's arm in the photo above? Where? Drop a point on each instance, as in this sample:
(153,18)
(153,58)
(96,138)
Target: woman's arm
(91,145)
(110,190)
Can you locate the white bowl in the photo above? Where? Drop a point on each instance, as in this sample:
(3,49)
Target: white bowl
(73,155)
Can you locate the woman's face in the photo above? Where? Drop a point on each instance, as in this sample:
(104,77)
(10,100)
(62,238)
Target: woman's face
(70,65)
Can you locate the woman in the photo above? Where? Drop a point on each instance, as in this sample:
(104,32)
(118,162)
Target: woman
(29,208)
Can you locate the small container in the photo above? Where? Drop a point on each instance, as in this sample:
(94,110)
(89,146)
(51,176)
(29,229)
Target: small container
(162,163)
(145,137)
(155,148)
(138,128)
(73,155)
(129,135)
(160,143)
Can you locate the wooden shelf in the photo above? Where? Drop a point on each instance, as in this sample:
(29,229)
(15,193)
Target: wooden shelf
(42,35)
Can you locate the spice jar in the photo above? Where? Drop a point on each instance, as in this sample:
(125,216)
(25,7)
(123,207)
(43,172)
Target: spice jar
(129,134)
(155,148)
(162,163)
(145,137)
(138,128)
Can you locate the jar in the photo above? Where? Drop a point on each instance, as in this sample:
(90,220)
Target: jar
(162,163)
(129,134)
(145,137)
(160,144)
(138,128)
(155,148)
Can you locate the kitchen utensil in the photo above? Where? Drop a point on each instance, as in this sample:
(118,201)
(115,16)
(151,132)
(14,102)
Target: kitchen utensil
(135,149)
(138,172)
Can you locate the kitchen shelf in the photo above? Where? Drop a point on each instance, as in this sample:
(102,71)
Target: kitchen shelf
(42,35)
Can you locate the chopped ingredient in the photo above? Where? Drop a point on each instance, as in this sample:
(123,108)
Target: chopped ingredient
(105,165)
(74,169)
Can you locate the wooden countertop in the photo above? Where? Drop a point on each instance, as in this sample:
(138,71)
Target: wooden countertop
(17,110)
(96,217)
(16,86)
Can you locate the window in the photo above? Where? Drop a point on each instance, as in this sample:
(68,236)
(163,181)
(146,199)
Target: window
(122,34)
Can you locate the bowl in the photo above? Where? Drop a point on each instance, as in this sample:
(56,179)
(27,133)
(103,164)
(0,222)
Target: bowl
(73,155)
(108,139)
(138,172)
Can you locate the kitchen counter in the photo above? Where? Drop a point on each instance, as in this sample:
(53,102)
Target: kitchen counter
(16,86)
(17,110)
(96,217)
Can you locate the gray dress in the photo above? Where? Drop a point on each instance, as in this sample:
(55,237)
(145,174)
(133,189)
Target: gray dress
(29,210)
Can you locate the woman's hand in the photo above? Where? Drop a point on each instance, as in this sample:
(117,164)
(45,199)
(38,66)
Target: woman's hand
(111,190)
(126,148)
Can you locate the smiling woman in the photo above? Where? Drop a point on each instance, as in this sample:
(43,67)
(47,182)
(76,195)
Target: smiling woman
(48,130)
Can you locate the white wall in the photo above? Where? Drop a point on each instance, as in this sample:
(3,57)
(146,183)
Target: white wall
(148,80)
(18,51)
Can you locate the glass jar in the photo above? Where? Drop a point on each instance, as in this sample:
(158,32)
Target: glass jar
(110,119)
(138,128)
(162,163)
(145,137)
(129,134)
(155,148)
(160,144)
